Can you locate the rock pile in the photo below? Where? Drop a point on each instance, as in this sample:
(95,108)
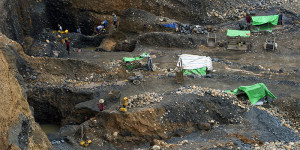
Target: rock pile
(189,29)
(200,91)
(285,121)
(114,63)
(278,145)
(57,142)
(160,144)
(237,10)
(144,99)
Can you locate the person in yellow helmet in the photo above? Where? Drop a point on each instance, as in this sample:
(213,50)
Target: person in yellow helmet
(125,102)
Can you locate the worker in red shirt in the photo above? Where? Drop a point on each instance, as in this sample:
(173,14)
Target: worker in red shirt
(68,46)
(101,106)
(248,19)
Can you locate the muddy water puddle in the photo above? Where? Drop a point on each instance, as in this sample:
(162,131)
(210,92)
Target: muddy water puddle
(50,128)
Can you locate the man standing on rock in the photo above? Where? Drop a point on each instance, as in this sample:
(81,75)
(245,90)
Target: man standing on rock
(78,30)
(68,46)
(105,24)
(115,20)
(60,27)
(248,19)
(101,106)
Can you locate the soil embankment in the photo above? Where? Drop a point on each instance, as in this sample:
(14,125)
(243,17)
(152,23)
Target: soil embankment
(18,128)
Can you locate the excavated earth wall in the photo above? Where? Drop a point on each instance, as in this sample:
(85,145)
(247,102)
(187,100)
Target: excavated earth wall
(18,128)
(176,115)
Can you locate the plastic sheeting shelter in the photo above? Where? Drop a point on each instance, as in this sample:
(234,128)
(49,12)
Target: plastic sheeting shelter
(264,23)
(242,33)
(238,40)
(259,20)
(254,92)
(129,59)
(170,25)
(131,62)
(195,64)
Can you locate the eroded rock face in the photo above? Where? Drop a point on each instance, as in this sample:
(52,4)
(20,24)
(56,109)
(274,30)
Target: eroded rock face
(20,18)
(17,126)
(57,105)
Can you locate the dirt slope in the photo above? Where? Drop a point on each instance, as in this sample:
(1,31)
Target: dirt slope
(17,126)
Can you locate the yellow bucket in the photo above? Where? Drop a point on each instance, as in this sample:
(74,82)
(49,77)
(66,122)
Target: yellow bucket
(82,143)
(123,109)
(61,31)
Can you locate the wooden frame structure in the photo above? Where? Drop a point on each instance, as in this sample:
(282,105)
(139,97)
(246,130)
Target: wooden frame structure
(238,43)
(179,73)
(270,44)
(211,41)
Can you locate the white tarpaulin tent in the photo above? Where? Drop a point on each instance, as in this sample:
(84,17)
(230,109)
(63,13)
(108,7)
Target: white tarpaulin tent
(192,63)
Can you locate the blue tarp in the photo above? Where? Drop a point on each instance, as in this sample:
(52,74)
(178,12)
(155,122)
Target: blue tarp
(170,25)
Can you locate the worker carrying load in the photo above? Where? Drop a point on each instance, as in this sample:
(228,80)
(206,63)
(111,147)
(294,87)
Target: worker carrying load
(101,105)
(125,104)
(105,24)
(115,20)
(60,27)
(99,29)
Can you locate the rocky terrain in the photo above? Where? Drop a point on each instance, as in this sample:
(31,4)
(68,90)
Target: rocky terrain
(42,85)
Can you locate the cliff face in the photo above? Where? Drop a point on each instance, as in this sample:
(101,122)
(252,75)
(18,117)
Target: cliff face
(30,17)
(20,18)
(73,13)
(88,14)
(17,126)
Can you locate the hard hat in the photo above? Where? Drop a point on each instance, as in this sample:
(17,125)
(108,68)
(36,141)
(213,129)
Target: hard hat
(125,98)
(101,101)
(86,145)
(82,143)
(89,141)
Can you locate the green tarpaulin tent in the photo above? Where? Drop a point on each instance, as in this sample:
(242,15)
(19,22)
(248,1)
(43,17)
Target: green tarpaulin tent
(264,23)
(242,33)
(254,92)
(259,20)
(129,59)
(200,71)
